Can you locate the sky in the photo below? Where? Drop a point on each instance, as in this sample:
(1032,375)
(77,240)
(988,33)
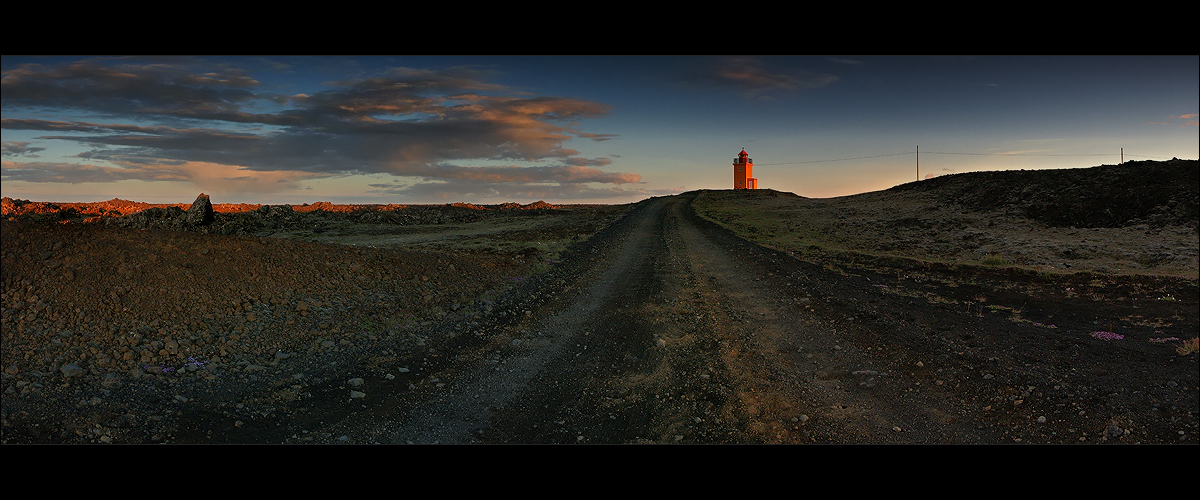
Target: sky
(568,129)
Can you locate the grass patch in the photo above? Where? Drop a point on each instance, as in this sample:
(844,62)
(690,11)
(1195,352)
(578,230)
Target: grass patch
(993,260)
(784,222)
(1188,346)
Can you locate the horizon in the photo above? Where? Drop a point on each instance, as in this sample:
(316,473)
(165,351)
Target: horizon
(314,202)
(568,130)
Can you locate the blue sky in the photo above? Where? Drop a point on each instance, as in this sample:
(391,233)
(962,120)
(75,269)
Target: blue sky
(568,129)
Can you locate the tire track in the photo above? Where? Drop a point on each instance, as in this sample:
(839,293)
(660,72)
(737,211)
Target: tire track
(667,329)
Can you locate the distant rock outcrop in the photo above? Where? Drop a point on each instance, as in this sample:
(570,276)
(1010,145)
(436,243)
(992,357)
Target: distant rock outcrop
(153,217)
(171,217)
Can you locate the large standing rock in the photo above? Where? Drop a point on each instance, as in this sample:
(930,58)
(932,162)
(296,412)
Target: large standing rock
(200,213)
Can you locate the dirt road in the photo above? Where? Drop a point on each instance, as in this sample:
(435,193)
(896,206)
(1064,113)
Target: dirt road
(663,329)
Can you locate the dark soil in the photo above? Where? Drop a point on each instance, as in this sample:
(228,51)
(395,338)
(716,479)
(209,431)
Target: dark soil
(662,327)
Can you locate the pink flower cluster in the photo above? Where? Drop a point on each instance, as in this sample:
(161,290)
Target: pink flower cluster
(1107,335)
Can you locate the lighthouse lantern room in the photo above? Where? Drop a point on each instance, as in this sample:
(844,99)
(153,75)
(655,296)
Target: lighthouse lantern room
(743,169)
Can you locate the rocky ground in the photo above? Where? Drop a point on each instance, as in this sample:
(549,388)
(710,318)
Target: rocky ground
(708,317)
(94,299)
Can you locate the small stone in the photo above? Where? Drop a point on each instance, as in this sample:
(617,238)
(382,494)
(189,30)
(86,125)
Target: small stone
(357,394)
(1041,419)
(1114,431)
(355,382)
(71,370)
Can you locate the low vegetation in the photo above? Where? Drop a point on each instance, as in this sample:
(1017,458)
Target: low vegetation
(1028,227)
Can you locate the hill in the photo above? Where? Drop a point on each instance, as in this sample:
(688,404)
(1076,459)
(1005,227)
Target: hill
(1133,218)
(1157,193)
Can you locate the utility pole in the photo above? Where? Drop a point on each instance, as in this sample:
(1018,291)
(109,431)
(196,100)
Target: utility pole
(918,162)
(1122,154)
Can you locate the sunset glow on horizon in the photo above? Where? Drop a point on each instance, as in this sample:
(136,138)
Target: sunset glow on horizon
(568,129)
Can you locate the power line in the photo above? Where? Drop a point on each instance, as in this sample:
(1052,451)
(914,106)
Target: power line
(1016,154)
(1039,154)
(838,159)
(954,153)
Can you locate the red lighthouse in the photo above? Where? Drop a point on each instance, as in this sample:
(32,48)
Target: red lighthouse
(743,169)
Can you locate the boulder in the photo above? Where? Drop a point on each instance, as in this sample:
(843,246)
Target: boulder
(200,213)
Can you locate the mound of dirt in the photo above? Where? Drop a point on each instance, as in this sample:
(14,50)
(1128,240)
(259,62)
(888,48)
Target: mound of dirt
(1156,193)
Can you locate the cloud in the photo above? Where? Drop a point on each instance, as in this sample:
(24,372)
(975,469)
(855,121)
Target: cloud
(19,148)
(1020,152)
(1188,119)
(595,137)
(120,87)
(208,177)
(72,173)
(562,174)
(755,77)
(484,191)
(185,118)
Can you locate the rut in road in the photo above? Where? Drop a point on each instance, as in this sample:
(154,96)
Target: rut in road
(673,331)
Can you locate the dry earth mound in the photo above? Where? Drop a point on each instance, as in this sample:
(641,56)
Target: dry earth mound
(1156,193)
